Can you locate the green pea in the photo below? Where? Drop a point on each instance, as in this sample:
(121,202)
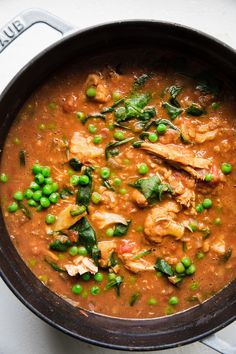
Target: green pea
(152,137)
(82,251)
(47,189)
(39,178)
(95,290)
(142,168)
(97,139)
(116,95)
(74,180)
(77,289)
(152,301)
(118,135)
(55,187)
(92,128)
(110,232)
(36,169)
(34,186)
(194,286)
(80,115)
(98,277)
(96,198)
(123,191)
(12,208)
(73,251)
(16,141)
(161,128)
(32,203)
(105,172)
(215,105)
(200,255)
(83,180)
(37,195)
(117,182)
(186,261)
(18,196)
(191,269)
(199,208)
(226,168)
(110,126)
(85,276)
(139,228)
(217,221)
(91,92)
(46,171)
(111,276)
(193,226)
(44,202)
(3,178)
(28,194)
(207,203)
(54,197)
(50,219)
(48,180)
(42,126)
(173,300)
(180,268)
(126,162)
(208,177)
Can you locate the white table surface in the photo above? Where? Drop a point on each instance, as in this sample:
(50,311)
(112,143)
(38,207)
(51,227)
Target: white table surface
(21,332)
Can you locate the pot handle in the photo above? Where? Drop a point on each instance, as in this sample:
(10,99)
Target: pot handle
(219,345)
(25,20)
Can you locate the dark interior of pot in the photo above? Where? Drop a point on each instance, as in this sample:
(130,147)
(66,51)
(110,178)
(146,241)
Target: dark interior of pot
(149,334)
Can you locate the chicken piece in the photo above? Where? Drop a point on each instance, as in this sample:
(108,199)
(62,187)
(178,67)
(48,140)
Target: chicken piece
(65,220)
(104,219)
(183,188)
(160,222)
(70,104)
(177,154)
(106,248)
(219,247)
(199,133)
(135,266)
(81,265)
(84,149)
(187,198)
(102,93)
(139,199)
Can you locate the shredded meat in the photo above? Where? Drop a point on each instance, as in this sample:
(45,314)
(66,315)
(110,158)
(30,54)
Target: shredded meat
(106,248)
(84,149)
(102,93)
(80,266)
(104,219)
(65,220)
(139,199)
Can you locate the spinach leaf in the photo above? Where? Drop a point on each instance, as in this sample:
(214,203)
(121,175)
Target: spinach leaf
(208,83)
(107,184)
(115,283)
(172,111)
(140,81)
(93,115)
(75,164)
(142,254)
(25,210)
(227,255)
(121,230)
(65,192)
(174,91)
(55,266)
(113,144)
(22,154)
(87,235)
(96,254)
(194,110)
(164,188)
(84,192)
(134,298)
(163,267)
(112,108)
(112,261)
(59,246)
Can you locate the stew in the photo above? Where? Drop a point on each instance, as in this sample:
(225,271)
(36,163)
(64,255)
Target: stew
(118,184)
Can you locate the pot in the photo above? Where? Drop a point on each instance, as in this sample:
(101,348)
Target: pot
(116,333)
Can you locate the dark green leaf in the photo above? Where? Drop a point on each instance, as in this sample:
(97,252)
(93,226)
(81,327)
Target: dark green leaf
(25,210)
(92,116)
(208,83)
(87,235)
(174,91)
(175,279)
(115,283)
(59,246)
(172,111)
(137,144)
(164,267)
(55,266)
(84,191)
(140,81)
(134,298)
(164,188)
(75,164)
(134,108)
(121,230)
(119,125)
(112,108)
(206,232)
(195,110)
(22,154)
(114,144)
(227,255)
(107,184)
(65,192)
(142,254)
(112,261)
(96,254)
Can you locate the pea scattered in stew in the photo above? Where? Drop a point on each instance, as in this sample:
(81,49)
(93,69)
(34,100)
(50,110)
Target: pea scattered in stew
(117,185)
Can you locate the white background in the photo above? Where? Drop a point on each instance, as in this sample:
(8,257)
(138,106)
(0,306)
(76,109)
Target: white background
(21,332)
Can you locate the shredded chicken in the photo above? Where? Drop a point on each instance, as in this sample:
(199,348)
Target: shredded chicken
(65,220)
(199,133)
(139,199)
(106,248)
(133,265)
(219,246)
(81,265)
(102,93)
(183,188)
(84,149)
(104,219)
(160,222)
